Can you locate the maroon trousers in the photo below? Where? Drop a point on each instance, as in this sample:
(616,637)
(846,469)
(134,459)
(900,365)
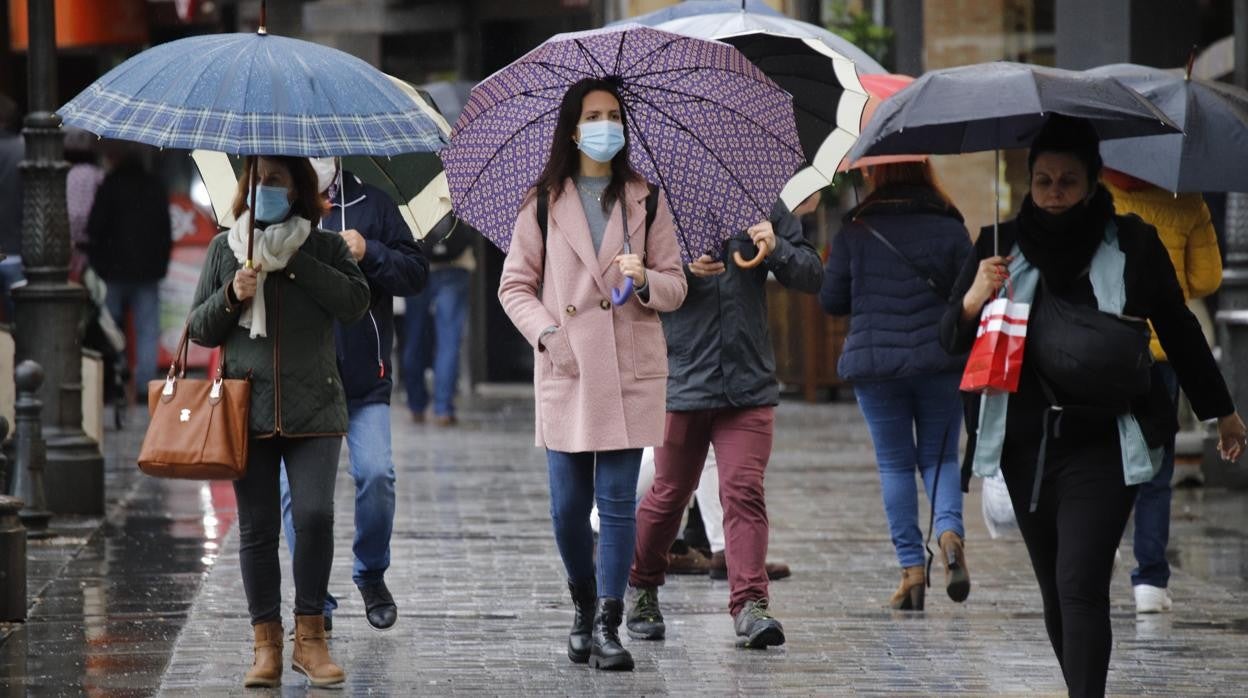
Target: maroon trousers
(742,440)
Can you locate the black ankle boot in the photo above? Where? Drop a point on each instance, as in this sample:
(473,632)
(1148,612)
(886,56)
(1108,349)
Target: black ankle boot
(583,596)
(605,651)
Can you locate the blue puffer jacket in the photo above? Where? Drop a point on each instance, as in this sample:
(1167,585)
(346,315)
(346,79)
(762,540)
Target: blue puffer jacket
(395,265)
(894,315)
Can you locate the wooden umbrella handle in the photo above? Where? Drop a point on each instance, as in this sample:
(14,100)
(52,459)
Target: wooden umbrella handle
(744,263)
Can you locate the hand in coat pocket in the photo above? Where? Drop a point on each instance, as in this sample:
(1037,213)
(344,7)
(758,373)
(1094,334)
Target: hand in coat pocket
(562,359)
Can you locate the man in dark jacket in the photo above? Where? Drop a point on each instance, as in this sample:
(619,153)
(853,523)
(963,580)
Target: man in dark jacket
(722,390)
(394,265)
(129,240)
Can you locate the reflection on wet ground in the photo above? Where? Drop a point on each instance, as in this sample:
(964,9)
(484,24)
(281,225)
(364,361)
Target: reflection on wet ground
(149,599)
(109,596)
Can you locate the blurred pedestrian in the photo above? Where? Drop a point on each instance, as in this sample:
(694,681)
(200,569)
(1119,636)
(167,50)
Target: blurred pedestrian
(600,370)
(891,270)
(434,327)
(275,322)
(81,183)
(129,240)
(722,391)
(382,245)
(1186,230)
(1079,436)
(12,152)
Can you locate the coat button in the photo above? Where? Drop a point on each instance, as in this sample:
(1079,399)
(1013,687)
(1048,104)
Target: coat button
(604,304)
(570,310)
(329,380)
(292,276)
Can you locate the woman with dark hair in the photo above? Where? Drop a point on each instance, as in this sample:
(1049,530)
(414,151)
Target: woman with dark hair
(1085,427)
(891,269)
(600,370)
(275,320)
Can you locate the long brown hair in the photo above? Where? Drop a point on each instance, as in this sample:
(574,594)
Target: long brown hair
(564,158)
(308,201)
(916,174)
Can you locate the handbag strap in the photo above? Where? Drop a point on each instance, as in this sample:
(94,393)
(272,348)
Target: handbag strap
(919,271)
(177,369)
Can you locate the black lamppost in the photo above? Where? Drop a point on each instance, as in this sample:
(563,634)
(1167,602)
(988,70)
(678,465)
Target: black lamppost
(49,308)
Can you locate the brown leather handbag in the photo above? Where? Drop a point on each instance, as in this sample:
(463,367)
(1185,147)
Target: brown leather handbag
(199,427)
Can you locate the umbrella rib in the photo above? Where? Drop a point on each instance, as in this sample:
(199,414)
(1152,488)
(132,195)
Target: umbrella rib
(503,102)
(486,165)
(729,108)
(652,55)
(658,172)
(766,81)
(552,66)
(588,54)
(708,149)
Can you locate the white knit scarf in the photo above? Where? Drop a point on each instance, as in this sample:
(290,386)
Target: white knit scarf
(273,248)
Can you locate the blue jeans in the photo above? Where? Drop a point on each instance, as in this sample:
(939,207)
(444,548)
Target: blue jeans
(576,480)
(142,299)
(915,423)
(1152,505)
(368,446)
(441,309)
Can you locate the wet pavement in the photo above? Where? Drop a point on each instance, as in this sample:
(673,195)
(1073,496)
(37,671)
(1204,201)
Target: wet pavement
(150,600)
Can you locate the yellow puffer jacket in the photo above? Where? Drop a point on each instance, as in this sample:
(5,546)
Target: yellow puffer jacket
(1186,229)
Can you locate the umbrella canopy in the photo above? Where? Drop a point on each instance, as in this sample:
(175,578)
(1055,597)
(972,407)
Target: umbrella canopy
(990,106)
(705,125)
(712,26)
(880,88)
(254,94)
(828,101)
(1210,153)
(690,8)
(449,96)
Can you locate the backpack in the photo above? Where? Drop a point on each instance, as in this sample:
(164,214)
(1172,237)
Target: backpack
(448,239)
(543,217)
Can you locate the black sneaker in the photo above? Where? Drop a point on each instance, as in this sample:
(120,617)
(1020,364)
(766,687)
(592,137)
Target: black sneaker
(379,606)
(645,620)
(756,628)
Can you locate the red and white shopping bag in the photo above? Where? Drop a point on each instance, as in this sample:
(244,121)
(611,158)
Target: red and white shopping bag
(996,360)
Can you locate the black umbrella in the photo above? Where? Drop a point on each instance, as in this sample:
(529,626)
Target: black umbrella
(1210,153)
(991,106)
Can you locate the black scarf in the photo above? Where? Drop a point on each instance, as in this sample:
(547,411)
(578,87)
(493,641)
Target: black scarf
(1061,245)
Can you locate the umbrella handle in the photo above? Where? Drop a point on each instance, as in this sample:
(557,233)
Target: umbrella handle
(619,296)
(749,263)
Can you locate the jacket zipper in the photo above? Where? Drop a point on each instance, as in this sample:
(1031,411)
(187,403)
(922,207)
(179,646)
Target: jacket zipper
(381,366)
(277,360)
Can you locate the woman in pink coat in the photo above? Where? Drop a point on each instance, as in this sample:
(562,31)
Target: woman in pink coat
(600,370)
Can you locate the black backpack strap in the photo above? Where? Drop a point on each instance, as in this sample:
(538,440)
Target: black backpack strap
(543,223)
(652,205)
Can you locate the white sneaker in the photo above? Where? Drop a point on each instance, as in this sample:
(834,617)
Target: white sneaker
(1151,599)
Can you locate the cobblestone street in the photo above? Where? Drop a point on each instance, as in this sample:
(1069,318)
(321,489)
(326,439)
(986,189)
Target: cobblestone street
(484,608)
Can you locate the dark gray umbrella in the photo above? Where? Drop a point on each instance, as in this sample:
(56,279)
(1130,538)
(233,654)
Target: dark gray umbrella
(1210,153)
(993,106)
(990,106)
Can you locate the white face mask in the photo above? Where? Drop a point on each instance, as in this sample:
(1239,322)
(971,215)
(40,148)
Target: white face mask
(326,171)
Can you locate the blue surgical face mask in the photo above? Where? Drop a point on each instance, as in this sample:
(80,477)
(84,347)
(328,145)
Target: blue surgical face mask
(601,140)
(272,203)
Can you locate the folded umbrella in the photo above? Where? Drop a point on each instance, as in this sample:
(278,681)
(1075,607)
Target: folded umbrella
(1210,153)
(706,126)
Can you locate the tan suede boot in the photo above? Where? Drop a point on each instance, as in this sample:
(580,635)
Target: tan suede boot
(311,656)
(266,668)
(957,578)
(909,595)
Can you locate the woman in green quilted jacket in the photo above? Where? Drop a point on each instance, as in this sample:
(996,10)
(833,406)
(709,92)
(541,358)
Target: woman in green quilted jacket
(274,319)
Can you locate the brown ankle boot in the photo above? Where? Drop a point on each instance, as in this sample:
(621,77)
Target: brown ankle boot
(957,578)
(311,657)
(266,668)
(909,595)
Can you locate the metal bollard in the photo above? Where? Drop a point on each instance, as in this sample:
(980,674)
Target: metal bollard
(12,559)
(31,450)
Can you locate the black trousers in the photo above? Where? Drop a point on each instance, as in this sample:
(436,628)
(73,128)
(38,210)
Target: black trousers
(311,468)
(1071,538)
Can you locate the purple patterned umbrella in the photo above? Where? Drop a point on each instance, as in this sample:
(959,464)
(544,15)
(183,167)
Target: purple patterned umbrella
(706,125)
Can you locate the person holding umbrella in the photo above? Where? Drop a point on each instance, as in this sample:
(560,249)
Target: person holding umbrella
(890,269)
(600,369)
(1186,229)
(1085,425)
(272,309)
(382,245)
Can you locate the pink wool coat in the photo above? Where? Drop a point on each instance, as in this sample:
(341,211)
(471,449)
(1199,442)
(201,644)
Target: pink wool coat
(600,381)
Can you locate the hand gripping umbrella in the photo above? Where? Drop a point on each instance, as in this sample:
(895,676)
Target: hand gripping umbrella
(254,94)
(706,126)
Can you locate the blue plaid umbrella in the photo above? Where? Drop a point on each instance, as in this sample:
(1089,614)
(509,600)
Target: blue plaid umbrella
(254,94)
